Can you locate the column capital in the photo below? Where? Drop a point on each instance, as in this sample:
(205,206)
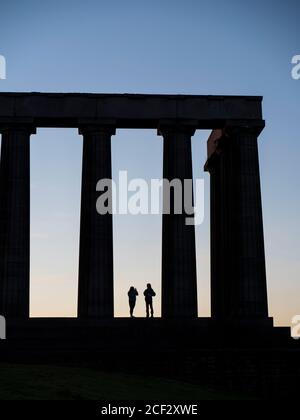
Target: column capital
(168,127)
(104,127)
(220,138)
(97,129)
(240,127)
(12,127)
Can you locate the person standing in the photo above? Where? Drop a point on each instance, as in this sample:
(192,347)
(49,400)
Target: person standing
(149,294)
(132,294)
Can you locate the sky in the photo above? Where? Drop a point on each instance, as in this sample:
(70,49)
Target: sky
(166,46)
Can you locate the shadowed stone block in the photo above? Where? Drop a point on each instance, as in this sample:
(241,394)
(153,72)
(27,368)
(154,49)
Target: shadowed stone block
(129,110)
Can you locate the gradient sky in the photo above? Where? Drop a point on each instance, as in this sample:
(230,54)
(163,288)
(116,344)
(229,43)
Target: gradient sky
(166,46)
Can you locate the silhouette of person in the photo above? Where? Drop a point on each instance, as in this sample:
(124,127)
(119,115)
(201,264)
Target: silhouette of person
(149,294)
(132,294)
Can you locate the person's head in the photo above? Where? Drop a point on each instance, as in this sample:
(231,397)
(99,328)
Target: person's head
(131,289)
(148,286)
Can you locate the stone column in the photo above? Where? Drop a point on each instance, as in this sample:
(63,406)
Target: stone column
(179,278)
(95,290)
(239,288)
(15,221)
(220,286)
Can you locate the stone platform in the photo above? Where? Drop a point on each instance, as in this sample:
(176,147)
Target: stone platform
(255,359)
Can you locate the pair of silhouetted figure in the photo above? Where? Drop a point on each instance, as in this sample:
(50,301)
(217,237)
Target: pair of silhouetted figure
(148,293)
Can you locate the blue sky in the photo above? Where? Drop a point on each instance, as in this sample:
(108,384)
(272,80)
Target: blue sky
(196,47)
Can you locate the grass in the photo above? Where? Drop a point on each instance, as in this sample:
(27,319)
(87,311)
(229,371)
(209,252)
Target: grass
(22,382)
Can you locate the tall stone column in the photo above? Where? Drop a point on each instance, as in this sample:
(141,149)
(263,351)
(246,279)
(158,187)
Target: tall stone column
(15,221)
(179,278)
(239,288)
(220,285)
(95,289)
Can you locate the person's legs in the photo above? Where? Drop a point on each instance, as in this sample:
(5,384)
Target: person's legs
(151,307)
(132,305)
(147,309)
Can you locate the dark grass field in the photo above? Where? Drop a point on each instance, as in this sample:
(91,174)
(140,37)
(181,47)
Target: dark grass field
(23,382)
